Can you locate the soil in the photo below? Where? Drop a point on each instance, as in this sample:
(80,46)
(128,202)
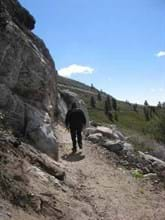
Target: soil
(106,191)
(95,187)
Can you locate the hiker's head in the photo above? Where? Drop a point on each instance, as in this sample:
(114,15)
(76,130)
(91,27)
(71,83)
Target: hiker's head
(74,105)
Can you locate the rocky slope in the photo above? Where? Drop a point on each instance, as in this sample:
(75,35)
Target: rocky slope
(89,185)
(93,186)
(27,78)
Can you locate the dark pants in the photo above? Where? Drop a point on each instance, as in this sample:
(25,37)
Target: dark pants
(76,136)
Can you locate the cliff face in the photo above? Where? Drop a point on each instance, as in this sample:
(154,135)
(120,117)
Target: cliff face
(27,78)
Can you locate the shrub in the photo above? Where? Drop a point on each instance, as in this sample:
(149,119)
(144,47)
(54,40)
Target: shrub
(93,102)
(157,128)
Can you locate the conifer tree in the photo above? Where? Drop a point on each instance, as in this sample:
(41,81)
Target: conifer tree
(93,102)
(114,104)
(99,96)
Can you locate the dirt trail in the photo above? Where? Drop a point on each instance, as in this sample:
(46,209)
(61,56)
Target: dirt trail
(104,191)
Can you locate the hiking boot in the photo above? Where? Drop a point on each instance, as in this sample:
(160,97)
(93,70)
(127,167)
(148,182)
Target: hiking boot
(80,146)
(74,150)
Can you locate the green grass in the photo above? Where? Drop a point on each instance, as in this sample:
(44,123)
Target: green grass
(130,122)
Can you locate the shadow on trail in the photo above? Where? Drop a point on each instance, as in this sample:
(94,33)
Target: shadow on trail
(73,157)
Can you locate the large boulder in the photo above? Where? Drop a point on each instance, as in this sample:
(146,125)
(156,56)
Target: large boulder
(107,132)
(62,108)
(27,78)
(13,10)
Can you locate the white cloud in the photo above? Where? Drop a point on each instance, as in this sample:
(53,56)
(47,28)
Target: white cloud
(159,90)
(75,69)
(160,54)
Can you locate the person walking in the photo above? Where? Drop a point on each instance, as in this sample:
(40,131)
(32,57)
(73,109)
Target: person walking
(75,121)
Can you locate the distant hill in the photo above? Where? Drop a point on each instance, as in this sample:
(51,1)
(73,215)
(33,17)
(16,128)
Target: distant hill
(131,120)
(73,84)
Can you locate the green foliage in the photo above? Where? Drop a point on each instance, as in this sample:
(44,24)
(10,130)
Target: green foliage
(116,116)
(137,174)
(135,107)
(159,105)
(131,122)
(156,127)
(114,104)
(146,103)
(99,96)
(107,105)
(93,102)
(142,142)
(146,113)
(110,116)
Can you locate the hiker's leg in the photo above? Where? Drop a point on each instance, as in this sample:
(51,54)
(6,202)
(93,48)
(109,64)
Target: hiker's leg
(73,136)
(79,137)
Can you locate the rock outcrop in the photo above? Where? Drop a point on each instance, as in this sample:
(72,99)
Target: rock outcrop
(30,181)
(27,78)
(66,98)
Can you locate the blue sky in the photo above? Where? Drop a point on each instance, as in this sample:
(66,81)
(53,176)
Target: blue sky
(118,45)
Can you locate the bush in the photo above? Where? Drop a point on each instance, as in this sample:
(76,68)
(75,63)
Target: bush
(157,128)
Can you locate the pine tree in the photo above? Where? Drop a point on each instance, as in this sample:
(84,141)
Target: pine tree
(93,102)
(146,103)
(108,105)
(99,96)
(159,105)
(114,104)
(135,107)
(146,113)
(106,109)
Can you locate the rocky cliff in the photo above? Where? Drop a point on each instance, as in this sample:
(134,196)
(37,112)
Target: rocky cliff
(27,78)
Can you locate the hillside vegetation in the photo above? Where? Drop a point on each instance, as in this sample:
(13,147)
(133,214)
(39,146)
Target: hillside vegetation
(132,121)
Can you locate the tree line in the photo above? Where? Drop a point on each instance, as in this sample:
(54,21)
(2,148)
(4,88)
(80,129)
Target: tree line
(110,105)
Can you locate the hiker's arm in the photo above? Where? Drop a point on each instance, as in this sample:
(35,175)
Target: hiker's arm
(83,119)
(67,120)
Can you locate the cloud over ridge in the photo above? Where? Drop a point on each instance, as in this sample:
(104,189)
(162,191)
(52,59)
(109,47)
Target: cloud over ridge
(160,54)
(75,69)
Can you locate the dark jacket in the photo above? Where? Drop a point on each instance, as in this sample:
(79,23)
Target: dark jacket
(75,119)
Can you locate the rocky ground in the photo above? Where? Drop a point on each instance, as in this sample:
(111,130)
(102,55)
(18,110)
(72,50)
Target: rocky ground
(93,186)
(105,190)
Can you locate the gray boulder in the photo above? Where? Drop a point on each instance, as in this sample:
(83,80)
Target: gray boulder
(90,130)
(119,135)
(39,130)
(96,138)
(155,162)
(62,108)
(114,146)
(127,147)
(27,78)
(107,132)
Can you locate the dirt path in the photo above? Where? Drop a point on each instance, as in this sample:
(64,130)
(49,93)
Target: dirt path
(103,191)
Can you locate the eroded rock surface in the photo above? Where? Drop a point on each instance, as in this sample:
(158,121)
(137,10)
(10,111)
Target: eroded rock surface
(27,78)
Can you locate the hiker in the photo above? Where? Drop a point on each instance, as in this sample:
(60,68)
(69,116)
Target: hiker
(75,121)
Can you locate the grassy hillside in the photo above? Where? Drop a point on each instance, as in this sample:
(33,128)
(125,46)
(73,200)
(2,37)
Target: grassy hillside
(130,121)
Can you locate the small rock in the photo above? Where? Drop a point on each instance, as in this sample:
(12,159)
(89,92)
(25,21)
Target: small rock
(89,131)
(95,138)
(127,147)
(150,175)
(114,146)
